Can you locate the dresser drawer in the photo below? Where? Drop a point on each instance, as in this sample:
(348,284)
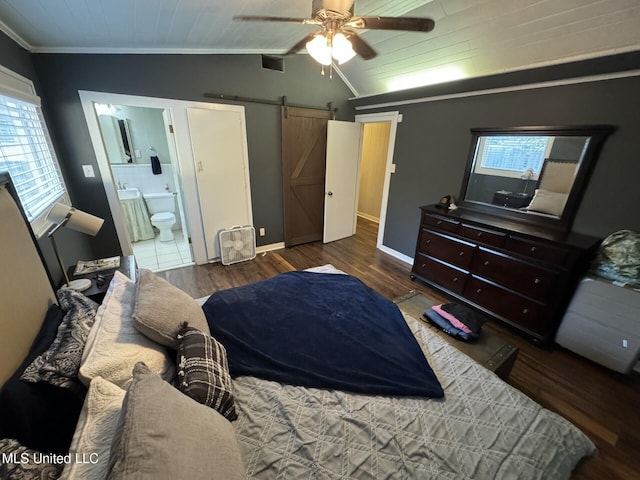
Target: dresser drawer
(539,251)
(520,276)
(447,276)
(442,223)
(482,235)
(515,308)
(445,248)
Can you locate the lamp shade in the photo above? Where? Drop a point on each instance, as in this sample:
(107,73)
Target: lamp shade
(75,219)
(320,49)
(342,49)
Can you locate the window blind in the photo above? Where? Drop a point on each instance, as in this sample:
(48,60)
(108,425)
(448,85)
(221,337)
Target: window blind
(27,154)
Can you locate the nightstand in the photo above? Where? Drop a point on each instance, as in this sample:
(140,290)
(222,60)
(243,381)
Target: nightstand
(511,199)
(96,293)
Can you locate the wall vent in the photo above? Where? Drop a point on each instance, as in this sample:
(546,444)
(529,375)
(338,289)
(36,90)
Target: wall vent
(273,63)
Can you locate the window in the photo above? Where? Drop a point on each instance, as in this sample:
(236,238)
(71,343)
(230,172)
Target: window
(26,151)
(510,155)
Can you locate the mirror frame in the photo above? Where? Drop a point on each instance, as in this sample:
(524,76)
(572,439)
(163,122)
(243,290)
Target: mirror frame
(597,134)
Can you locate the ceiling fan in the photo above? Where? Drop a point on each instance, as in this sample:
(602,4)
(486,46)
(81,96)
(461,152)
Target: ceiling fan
(337,39)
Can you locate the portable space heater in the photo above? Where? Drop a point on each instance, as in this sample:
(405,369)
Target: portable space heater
(237,244)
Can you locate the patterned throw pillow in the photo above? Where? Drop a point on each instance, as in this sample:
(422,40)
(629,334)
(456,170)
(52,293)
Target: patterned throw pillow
(59,365)
(203,372)
(21,463)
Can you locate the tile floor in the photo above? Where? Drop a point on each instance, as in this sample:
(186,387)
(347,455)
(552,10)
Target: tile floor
(156,255)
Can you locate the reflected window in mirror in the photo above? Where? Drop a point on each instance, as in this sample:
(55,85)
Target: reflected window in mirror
(532,174)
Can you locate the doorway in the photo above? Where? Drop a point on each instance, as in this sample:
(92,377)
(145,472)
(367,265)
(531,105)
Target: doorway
(373,161)
(313,135)
(385,152)
(188,166)
(144,168)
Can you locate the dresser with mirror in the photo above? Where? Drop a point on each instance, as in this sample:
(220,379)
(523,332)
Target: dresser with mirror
(507,250)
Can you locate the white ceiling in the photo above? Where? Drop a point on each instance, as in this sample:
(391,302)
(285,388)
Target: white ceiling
(471,37)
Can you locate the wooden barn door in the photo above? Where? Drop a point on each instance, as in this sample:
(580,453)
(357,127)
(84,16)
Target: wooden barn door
(304,144)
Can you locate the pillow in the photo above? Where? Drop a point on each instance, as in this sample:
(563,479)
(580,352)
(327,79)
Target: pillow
(549,202)
(60,363)
(203,371)
(39,415)
(24,463)
(164,434)
(161,308)
(114,345)
(95,431)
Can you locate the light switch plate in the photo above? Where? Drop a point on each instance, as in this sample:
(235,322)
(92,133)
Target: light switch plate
(88,171)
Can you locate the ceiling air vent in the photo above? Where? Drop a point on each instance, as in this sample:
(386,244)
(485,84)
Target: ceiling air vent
(273,63)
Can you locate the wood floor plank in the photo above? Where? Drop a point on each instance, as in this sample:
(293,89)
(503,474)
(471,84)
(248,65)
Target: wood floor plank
(604,404)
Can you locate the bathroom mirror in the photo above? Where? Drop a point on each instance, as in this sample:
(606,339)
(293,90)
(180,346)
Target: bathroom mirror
(535,175)
(117,139)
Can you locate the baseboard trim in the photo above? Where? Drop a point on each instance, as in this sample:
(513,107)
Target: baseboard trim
(371,218)
(396,254)
(269,247)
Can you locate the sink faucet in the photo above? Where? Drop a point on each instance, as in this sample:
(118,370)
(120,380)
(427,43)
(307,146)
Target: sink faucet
(119,185)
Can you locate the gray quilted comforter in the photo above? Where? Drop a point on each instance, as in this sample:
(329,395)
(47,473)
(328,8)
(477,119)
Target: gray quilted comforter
(482,429)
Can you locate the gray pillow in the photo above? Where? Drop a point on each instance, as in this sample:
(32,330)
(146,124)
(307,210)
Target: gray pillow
(161,308)
(164,434)
(59,365)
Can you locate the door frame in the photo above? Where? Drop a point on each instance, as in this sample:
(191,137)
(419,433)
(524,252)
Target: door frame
(176,110)
(393,118)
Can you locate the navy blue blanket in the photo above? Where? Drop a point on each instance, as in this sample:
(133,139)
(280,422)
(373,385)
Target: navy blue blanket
(320,330)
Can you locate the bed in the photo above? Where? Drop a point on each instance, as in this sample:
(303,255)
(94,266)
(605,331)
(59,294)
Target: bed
(138,409)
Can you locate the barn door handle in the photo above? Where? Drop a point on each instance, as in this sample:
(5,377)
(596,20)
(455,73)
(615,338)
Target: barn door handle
(330,193)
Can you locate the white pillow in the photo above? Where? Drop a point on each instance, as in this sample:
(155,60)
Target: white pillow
(91,445)
(114,345)
(549,202)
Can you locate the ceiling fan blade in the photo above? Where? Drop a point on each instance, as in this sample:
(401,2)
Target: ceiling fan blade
(361,47)
(301,44)
(260,18)
(412,24)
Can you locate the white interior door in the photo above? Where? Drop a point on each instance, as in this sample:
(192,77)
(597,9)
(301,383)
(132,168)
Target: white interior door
(341,179)
(218,139)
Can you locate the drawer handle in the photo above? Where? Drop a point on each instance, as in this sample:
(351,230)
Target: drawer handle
(479,234)
(486,263)
(423,265)
(455,279)
(461,254)
(533,249)
(479,290)
(427,242)
(525,311)
(537,281)
(439,222)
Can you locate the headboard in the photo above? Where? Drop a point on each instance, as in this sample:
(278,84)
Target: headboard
(557,175)
(26,291)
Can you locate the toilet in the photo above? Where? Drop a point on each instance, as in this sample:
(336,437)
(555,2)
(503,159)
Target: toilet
(161,208)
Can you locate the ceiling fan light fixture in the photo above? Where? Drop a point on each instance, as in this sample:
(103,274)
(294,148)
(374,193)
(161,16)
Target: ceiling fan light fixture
(342,49)
(320,49)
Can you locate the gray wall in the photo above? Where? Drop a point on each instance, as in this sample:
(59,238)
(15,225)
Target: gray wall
(433,141)
(72,245)
(183,77)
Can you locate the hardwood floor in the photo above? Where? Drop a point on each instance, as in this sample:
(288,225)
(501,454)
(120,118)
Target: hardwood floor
(602,403)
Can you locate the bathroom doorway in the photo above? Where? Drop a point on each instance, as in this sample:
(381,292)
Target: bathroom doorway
(146,176)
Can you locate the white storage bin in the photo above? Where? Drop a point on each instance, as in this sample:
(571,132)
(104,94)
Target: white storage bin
(602,323)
